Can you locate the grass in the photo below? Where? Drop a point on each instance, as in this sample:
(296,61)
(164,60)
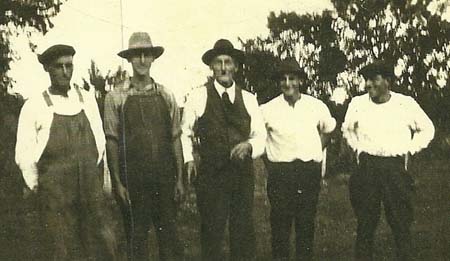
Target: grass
(335,222)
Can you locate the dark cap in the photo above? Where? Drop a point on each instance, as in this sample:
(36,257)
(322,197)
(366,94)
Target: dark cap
(290,65)
(223,46)
(382,68)
(55,52)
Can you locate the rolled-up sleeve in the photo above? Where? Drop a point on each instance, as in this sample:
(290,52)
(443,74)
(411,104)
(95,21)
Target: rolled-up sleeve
(26,144)
(111,117)
(258,133)
(174,111)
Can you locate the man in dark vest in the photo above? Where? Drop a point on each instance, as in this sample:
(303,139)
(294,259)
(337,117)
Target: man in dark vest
(225,123)
(142,127)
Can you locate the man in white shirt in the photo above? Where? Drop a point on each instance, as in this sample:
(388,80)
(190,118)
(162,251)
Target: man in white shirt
(60,146)
(225,124)
(297,125)
(384,128)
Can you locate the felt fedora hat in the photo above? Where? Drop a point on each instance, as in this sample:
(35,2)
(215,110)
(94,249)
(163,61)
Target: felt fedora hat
(290,65)
(141,41)
(223,46)
(54,52)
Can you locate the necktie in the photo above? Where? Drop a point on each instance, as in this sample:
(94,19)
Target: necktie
(226,100)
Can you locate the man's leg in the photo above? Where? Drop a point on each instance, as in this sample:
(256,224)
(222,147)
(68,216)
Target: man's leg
(138,226)
(163,213)
(279,192)
(213,205)
(307,178)
(397,198)
(242,231)
(365,197)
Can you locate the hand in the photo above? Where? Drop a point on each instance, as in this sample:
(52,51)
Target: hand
(240,151)
(179,191)
(122,194)
(191,171)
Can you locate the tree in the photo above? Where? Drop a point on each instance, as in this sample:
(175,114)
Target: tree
(25,16)
(333,46)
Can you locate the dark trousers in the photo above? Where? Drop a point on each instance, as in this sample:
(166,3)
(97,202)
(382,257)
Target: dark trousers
(152,202)
(382,179)
(293,191)
(223,195)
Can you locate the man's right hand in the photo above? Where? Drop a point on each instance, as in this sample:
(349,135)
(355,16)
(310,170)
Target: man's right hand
(122,194)
(191,171)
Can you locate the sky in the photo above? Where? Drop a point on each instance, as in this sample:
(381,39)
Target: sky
(186,29)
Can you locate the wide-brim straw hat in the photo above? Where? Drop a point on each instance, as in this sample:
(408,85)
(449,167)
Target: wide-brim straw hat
(141,41)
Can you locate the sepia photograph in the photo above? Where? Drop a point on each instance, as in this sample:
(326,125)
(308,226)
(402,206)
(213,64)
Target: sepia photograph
(223,130)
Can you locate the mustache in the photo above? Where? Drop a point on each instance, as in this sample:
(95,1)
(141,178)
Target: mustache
(223,73)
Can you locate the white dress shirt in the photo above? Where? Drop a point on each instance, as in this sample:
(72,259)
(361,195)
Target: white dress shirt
(293,132)
(34,127)
(195,107)
(389,129)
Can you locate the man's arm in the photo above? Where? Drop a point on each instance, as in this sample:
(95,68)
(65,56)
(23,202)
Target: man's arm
(326,125)
(111,125)
(350,125)
(195,104)
(112,150)
(96,123)
(422,128)
(256,143)
(26,145)
(176,144)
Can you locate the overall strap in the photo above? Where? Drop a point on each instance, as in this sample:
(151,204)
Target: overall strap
(80,96)
(47,98)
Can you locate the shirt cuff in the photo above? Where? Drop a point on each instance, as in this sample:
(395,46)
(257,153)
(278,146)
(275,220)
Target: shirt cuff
(257,149)
(30,175)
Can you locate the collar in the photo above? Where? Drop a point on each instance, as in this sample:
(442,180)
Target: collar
(221,89)
(284,102)
(148,87)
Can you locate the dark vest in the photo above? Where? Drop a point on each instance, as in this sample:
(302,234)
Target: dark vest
(221,128)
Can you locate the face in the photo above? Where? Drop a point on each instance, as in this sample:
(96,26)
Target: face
(224,67)
(141,61)
(60,71)
(377,86)
(290,84)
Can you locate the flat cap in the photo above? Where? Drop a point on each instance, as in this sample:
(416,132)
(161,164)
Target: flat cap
(383,68)
(55,52)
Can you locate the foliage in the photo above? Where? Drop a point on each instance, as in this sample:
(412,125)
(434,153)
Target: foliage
(334,45)
(24,15)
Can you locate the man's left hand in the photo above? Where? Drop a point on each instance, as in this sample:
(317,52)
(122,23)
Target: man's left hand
(241,151)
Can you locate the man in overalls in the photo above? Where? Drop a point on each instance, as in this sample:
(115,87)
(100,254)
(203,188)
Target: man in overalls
(60,145)
(226,123)
(142,126)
